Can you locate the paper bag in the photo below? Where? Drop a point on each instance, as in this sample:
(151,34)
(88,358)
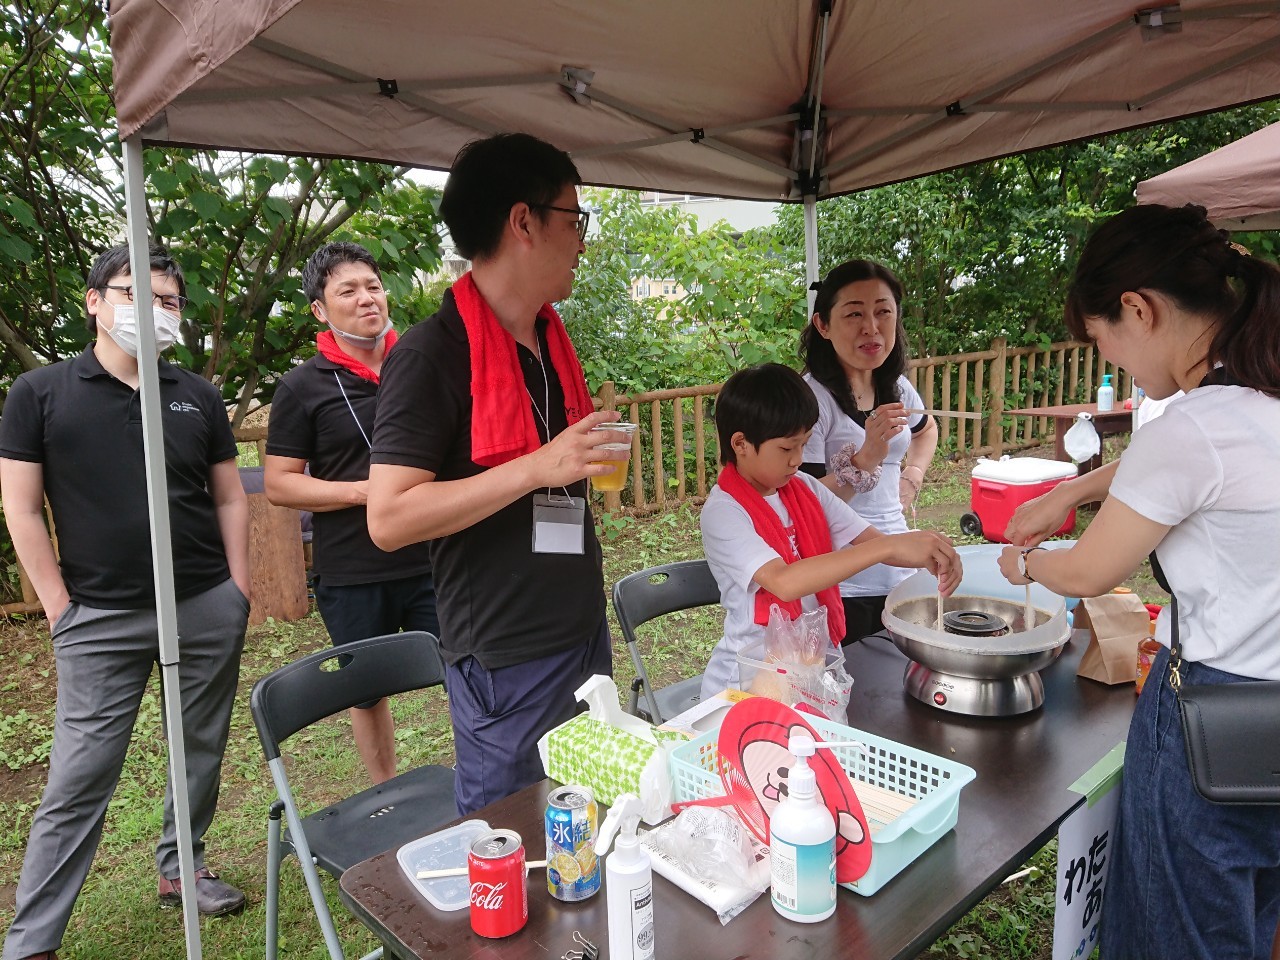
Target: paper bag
(1117,622)
(612,752)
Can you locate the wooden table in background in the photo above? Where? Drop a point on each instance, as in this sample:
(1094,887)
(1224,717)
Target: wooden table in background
(1025,765)
(1107,424)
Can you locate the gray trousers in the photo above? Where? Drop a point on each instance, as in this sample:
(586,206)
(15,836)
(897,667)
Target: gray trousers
(104,660)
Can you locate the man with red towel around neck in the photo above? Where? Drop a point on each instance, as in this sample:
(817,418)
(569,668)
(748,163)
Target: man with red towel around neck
(482,446)
(318,443)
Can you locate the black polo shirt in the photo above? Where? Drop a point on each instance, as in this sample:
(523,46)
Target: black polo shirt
(312,420)
(497,599)
(85,428)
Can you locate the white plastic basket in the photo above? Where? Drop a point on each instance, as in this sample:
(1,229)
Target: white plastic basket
(932,781)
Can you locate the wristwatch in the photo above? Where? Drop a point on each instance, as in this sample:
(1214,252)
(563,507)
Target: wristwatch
(1022,563)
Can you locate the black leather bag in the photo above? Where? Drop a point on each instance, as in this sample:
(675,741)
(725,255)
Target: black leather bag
(1232,732)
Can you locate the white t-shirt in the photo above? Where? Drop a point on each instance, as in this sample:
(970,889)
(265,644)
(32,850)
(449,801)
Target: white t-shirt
(879,507)
(735,553)
(1149,409)
(1209,468)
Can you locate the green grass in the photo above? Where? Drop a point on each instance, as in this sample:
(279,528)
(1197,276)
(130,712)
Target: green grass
(117,915)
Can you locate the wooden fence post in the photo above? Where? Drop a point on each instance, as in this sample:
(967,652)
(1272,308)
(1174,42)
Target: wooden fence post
(995,406)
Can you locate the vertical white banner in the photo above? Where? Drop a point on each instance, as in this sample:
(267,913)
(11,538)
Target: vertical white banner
(1085,848)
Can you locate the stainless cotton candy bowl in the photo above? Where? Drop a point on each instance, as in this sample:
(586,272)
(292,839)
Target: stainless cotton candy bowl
(982,660)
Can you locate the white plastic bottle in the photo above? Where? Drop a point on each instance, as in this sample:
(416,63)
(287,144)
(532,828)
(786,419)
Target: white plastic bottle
(1106,394)
(802,845)
(628,882)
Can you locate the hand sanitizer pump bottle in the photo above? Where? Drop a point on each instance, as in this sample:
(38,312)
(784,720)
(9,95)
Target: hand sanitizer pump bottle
(628,882)
(1106,394)
(802,845)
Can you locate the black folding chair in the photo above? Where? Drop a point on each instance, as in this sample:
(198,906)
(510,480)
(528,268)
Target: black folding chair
(643,596)
(380,818)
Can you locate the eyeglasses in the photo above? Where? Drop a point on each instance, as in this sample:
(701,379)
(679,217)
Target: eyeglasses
(167,301)
(584,216)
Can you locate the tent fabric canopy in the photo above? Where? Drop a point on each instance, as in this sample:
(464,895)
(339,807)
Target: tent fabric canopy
(1238,184)
(712,98)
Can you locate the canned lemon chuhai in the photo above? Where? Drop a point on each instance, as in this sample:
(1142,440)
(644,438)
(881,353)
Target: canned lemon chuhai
(573,871)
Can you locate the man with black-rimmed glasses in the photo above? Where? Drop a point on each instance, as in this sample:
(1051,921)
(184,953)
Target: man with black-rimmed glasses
(72,432)
(482,446)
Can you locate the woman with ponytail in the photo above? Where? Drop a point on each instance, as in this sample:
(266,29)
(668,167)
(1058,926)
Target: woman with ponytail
(1170,299)
(865,446)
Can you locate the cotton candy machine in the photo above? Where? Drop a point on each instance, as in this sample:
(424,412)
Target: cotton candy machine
(983,658)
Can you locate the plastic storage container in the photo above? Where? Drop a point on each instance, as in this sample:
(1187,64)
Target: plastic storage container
(998,487)
(932,781)
(442,850)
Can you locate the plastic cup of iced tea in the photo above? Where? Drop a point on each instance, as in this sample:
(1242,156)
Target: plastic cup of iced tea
(617,480)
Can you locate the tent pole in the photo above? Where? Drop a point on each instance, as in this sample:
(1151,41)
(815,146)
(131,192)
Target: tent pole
(810,247)
(161,541)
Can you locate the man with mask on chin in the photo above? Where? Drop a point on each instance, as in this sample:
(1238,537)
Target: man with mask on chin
(72,432)
(318,442)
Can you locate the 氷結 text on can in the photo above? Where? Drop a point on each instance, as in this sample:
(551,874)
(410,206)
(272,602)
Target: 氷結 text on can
(499,896)
(573,870)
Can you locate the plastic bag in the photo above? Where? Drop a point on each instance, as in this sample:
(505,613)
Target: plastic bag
(1081,441)
(800,667)
(710,854)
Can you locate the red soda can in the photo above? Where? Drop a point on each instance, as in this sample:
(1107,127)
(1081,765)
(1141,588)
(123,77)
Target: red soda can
(499,896)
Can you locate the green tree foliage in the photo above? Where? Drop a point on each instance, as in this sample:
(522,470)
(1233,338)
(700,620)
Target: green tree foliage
(985,251)
(241,226)
(742,300)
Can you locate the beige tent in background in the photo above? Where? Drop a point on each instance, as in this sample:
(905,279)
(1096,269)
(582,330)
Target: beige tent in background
(1238,184)
(786,100)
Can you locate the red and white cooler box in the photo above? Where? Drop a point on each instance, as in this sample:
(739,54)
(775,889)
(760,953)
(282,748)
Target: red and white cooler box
(998,487)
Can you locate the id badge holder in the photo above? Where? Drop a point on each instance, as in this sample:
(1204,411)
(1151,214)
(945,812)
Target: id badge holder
(558,523)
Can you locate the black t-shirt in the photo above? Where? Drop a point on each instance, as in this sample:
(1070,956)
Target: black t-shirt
(85,428)
(312,420)
(497,599)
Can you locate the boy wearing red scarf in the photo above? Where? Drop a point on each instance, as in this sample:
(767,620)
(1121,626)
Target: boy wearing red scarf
(482,446)
(318,443)
(775,536)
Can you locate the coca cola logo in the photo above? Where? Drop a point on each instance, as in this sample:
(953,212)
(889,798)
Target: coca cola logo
(487,896)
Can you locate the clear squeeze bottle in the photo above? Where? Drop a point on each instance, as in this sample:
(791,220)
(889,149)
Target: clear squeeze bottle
(802,845)
(628,882)
(1106,394)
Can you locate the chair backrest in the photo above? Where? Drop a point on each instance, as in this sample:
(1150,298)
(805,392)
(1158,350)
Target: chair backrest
(325,682)
(640,597)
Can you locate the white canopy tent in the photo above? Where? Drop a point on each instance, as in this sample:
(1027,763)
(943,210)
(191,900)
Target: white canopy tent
(761,99)
(1238,184)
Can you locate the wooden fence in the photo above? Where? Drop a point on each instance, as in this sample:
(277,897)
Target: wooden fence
(675,453)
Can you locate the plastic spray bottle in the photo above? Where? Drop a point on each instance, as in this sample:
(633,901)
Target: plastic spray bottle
(1106,394)
(802,844)
(628,882)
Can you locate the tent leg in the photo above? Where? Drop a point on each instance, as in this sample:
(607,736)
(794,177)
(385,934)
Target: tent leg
(161,542)
(810,247)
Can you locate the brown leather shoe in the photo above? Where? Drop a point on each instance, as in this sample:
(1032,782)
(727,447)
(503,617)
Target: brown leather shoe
(213,897)
(47,955)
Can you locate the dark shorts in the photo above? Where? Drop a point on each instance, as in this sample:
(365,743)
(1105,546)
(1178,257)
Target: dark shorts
(360,610)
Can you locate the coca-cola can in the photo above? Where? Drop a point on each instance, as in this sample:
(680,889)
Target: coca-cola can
(499,896)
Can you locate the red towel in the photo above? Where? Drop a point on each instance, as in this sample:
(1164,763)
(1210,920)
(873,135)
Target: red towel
(327,344)
(813,538)
(502,424)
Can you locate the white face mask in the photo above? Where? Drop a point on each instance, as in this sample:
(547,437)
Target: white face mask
(124,328)
(359,342)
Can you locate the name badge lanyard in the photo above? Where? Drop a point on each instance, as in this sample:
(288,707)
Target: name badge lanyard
(558,522)
(343,390)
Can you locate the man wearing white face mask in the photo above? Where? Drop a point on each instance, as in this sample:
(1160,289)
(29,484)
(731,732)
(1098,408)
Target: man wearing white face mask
(72,432)
(318,440)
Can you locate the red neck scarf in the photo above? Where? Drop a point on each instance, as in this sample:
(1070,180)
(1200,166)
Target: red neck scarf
(502,424)
(813,538)
(327,344)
